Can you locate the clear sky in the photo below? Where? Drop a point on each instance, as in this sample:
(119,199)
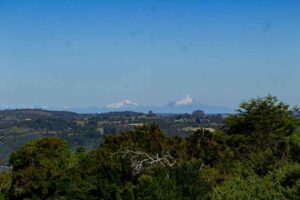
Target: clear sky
(95,52)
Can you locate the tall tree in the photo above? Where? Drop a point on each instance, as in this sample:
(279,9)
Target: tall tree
(39,168)
(262,120)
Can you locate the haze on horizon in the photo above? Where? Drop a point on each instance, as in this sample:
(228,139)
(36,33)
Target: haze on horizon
(96,53)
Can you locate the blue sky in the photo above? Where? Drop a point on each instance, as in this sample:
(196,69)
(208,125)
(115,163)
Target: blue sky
(76,52)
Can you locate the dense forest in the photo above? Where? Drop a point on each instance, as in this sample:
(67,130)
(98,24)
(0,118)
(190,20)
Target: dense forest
(254,155)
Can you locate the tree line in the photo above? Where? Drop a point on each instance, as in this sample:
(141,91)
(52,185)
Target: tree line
(254,156)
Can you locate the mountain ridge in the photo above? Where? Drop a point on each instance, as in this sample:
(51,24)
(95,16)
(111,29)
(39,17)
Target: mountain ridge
(186,104)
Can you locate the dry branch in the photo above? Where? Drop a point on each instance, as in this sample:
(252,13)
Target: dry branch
(141,160)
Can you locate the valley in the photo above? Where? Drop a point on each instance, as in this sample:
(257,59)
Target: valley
(17,127)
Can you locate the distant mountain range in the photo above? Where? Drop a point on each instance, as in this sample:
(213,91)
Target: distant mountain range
(184,105)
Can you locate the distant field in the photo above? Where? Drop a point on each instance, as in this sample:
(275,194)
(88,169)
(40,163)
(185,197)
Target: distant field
(20,126)
(198,128)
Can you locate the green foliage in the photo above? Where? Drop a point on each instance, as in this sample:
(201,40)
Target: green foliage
(280,184)
(250,188)
(18,127)
(181,182)
(255,156)
(2,196)
(39,169)
(5,181)
(290,180)
(189,182)
(146,137)
(295,146)
(258,133)
(262,120)
(147,188)
(206,146)
(5,184)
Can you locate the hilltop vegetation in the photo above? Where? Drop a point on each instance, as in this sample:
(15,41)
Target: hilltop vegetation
(255,155)
(20,126)
(87,130)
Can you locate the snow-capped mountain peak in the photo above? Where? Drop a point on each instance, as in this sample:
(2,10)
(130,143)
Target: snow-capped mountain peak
(187,100)
(122,104)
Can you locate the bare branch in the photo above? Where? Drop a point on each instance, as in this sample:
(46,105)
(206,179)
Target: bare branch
(141,160)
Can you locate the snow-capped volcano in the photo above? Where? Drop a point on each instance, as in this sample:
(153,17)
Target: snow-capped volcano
(188,104)
(187,100)
(121,104)
(185,105)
